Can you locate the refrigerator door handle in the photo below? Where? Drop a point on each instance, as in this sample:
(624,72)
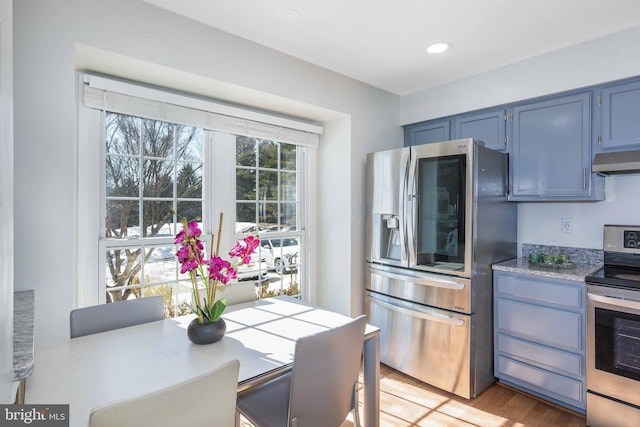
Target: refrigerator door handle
(425,313)
(409,207)
(402,206)
(425,279)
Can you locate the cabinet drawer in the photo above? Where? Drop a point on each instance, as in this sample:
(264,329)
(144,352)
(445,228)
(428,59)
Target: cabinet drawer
(548,326)
(547,383)
(544,357)
(546,291)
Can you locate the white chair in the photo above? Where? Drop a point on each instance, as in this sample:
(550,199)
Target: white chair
(208,400)
(321,389)
(115,315)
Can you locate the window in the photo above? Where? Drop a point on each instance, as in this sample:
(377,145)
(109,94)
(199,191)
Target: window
(268,202)
(151,168)
(151,162)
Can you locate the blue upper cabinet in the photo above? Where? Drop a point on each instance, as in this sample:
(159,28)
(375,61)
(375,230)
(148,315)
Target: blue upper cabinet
(427,132)
(489,127)
(551,150)
(620,116)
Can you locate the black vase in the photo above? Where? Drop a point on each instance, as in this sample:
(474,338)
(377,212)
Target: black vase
(207,332)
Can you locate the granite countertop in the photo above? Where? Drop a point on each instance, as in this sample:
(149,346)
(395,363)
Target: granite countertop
(521,265)
(23,305)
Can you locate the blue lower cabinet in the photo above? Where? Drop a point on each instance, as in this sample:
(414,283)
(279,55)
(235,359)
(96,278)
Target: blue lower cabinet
(565,391)
(539,337)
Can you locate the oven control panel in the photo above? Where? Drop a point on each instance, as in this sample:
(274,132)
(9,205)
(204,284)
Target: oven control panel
(622,238)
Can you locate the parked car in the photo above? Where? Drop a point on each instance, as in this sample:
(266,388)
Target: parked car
(254,270)
(280,255)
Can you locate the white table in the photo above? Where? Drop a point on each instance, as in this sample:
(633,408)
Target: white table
(96,369)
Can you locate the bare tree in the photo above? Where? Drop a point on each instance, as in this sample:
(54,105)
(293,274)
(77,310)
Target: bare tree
(144,157)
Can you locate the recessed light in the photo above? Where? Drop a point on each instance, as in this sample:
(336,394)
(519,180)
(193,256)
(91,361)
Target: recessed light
(438,47)
(288,15)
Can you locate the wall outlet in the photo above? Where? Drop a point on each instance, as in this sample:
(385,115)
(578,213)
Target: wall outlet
(566,225)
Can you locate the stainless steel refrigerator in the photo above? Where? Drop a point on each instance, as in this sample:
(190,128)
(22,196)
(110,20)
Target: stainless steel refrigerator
(437,219)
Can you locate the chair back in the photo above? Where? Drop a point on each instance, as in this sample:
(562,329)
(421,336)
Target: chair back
(207,400)
(325,371)
(115,315)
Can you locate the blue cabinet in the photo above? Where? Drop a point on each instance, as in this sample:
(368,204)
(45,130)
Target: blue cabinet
(551,150)
(489,127)
(539,337)
(619,106)
(427,132)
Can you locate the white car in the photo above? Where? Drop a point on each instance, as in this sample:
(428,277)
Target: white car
(280,254)
(256,269)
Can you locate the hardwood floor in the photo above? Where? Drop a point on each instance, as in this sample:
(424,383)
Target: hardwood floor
(406,402)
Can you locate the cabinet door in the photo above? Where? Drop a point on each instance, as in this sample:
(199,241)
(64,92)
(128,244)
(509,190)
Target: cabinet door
(551,153)
(488,127)
(427,132)
(620,117)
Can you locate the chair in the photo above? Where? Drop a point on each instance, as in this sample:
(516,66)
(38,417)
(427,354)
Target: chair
(115,315)
(321,389)
(207,400)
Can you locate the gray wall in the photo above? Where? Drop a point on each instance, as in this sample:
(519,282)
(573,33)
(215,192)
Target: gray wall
(6,204)
(137,40)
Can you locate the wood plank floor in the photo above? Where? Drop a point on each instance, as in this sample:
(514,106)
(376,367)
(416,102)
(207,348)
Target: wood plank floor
(406,402)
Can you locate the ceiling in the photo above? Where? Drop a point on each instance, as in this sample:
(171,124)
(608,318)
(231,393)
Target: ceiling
(383,42)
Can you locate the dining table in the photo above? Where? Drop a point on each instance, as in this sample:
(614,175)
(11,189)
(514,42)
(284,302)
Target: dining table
(98,369)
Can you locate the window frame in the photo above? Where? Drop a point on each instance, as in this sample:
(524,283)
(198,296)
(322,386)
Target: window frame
(91,205)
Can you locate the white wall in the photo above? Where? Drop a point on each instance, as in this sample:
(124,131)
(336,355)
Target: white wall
(6,203)
(609,58)
(136,40)
(601,60)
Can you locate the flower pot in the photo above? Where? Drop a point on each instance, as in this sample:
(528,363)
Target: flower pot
(207,332)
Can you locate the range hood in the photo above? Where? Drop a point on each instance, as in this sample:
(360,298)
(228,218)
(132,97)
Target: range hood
(617,163)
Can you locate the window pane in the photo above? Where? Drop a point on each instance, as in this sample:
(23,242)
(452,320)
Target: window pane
(123,267)
(288,186)
(157,138)
(158,178)
(246,184)
(122,220)
(268,214)
(289,220)
(268,185)
(122,175)
(245,215)
(268,154)
(288,154)
(245,151)
(160,265)
(189,144)
(156,218)
(192,211)
(189,181)
(185,297)
(122,134)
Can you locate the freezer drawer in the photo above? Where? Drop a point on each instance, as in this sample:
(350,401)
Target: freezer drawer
(429,344)
(436,290)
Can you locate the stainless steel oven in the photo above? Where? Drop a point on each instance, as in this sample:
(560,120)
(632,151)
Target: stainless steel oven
(613,332)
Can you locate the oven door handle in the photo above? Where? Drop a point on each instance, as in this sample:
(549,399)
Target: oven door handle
(422,314)
(613,300)
(425,280)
